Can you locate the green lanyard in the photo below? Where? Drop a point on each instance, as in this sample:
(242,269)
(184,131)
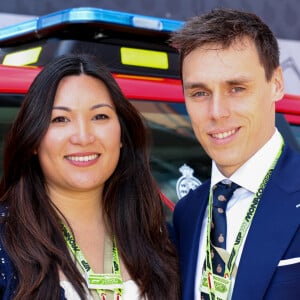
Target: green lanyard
(99,282)
(243,229)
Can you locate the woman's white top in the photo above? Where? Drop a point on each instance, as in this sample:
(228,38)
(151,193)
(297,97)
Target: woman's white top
(131,291)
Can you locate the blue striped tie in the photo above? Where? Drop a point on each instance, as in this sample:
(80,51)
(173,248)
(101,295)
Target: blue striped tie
(221,195)
(222,192)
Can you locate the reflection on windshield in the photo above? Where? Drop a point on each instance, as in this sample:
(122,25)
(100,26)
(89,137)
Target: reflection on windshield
(173,145)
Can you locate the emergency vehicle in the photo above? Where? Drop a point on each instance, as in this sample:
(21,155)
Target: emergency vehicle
(135,49)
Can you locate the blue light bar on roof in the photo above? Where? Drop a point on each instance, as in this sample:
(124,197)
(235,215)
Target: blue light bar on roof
(88,14)
(19,29)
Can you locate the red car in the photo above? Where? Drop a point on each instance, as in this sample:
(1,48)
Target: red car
(161,102)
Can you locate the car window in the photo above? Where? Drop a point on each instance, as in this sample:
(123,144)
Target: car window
(7,115)
(175,154)
(172,142)
(173,145)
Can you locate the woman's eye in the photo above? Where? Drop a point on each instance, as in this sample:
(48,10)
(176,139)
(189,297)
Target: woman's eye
(100,117)
(60,119)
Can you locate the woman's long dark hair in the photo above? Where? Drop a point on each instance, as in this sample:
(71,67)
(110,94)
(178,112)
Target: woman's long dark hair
(132,203)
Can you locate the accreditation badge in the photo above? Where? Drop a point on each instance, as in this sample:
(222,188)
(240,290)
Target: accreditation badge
(216,285)
(104,281)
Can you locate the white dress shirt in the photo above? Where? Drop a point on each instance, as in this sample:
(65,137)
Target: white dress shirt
(131,291)
(249,177)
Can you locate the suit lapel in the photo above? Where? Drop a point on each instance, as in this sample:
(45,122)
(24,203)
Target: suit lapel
(191,238)
(271,231)
(191,267)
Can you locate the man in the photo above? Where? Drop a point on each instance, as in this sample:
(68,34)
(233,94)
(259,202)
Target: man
(231,79)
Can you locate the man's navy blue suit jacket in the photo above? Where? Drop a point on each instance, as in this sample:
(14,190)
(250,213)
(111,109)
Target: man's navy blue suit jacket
(273,237)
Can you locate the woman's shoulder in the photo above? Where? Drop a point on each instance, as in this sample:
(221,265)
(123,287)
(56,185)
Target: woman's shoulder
(8,274)
(3,215)
(8,278)
(3,212)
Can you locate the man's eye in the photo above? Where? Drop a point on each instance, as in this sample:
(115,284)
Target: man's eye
(100,117)
(60,119)
(238,89)
(200,94)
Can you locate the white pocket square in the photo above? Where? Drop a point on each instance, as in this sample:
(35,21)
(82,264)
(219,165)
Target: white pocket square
(290,261)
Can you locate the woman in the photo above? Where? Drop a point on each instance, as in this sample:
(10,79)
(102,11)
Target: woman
(77,195)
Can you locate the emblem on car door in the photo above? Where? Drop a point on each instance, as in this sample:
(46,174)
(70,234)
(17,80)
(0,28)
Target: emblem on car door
(186,182)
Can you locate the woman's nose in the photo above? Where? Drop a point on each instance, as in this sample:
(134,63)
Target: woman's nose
(82,135)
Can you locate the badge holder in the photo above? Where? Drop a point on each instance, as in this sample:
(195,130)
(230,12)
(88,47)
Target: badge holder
(215,285)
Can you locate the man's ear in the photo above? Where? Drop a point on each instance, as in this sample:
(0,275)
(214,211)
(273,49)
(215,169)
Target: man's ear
(278,84)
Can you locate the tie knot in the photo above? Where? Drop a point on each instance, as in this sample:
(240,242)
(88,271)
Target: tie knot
(222,193)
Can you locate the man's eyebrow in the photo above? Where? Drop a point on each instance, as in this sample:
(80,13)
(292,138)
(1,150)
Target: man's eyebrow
(241,80)
(194,85)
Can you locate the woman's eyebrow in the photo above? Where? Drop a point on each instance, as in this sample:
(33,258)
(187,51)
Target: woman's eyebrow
(62,108)
(102,105)
(68,109)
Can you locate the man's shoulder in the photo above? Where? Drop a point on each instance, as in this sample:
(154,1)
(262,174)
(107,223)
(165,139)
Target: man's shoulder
(287,168)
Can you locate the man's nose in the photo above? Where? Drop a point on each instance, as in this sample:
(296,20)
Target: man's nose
(219,107)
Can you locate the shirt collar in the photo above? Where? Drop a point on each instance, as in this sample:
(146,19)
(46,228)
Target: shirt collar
(252,172)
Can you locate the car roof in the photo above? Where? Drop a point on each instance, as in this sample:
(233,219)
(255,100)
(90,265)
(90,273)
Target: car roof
(127,43)
(44,26)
